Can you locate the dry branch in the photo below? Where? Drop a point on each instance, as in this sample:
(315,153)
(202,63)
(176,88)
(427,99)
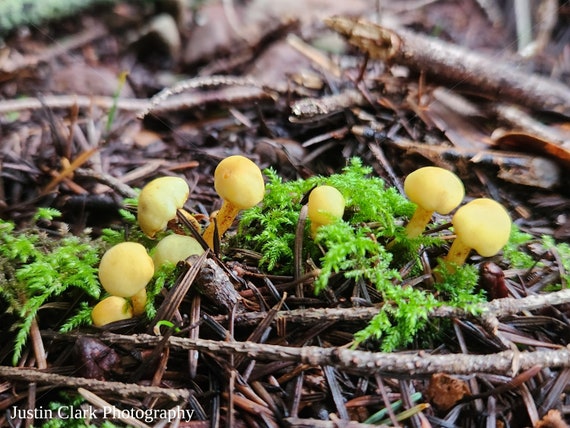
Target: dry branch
(363,362)
(454,63)
(118,388)
(68,101)
(496,308)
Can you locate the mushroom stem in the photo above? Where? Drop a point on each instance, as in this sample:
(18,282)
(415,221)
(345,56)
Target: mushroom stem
(314,227)
(418,222)
(224,219)
(138,302)
(458,252)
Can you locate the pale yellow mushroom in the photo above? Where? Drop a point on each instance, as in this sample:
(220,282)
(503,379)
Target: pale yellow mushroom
(159,201)
(125,269)
(174,248)
(239,183)
(325,206)
(432,189)
(482,225)
(111,309)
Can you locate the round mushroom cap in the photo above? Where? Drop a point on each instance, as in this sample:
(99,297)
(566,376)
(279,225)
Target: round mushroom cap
(111,309)
(325,205)
(434,189)
(174,248)
(158,202)
(239,181)
(484,225)
(125,269)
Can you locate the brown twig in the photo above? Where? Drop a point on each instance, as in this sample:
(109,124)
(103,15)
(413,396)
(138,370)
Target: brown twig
(69,101)
(496,308)
(443,60)
(118,388)
(363,362)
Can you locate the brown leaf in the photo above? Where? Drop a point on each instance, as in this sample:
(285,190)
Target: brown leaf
(444,391)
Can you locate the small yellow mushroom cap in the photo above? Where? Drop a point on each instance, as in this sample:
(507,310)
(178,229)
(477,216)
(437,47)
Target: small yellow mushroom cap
(434,189)
(125,269)
(174,248)
(484,225)
(239,181)
(158,202)
(111,309)
(325,205)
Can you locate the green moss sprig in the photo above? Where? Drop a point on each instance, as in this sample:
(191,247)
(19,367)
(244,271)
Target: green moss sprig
(36,269)
(369,245)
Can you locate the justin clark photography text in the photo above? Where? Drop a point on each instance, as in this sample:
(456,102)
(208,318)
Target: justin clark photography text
(104,413)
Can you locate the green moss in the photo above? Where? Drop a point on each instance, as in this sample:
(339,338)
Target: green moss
(270,227)
(512,253)
(369,246)
(36,269)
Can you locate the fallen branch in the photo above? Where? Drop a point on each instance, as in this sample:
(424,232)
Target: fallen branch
(454,63)
(118,388)
(68,101)
(496,308)
(363,362)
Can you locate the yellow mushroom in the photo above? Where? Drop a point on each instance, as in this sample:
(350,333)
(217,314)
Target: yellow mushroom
(325,206)
(125,269)
(239,183)
(111,309)
(483,225)
(174,248)
(432,189)
(158,202)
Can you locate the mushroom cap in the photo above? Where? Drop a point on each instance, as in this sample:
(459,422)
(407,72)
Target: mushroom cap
(434,189)
(158,202)
(484,225)
(174,248)
(239,181)
(325,205)
(125,269)
(111,309)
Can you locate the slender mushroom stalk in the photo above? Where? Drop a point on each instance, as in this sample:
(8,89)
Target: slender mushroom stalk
(483,225)
(138,302)
(325,206)
(111,309)
(239,183)
(125,269)
(433,189)
(158,202)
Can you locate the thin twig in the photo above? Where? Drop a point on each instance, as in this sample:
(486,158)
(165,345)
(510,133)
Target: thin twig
(97,401)
(363,362)
(497,308)
(118,388)
(68,101)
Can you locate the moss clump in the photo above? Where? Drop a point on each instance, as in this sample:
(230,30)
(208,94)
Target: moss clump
(36,269)
(269,228)
(368,246)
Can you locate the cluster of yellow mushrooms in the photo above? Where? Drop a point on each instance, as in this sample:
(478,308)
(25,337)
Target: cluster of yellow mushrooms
(127,268)
(482,224)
